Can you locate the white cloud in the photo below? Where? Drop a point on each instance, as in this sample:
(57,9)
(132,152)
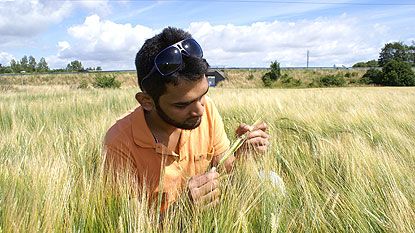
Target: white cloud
(340,40)
(330,41)
(5,58)
(63,45)
(105,42)
(22,18)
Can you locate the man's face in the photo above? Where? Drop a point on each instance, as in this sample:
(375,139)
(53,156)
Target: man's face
(183,106)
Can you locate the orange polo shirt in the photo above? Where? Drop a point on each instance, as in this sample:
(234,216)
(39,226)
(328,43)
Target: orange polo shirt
(130,142)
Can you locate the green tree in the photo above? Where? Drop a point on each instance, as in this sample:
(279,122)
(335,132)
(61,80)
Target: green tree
(15,66)
(24,63)
(359,64)
(371,63)
(273,75)
(275,70)
(398,73)
(32,64)
(373,76)
(42,66)
(393,51)
(75,66)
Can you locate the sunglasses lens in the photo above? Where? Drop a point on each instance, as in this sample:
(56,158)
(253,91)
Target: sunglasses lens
(192,48)
(169,60)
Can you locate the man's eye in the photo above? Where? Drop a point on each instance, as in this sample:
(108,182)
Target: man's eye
(181,106)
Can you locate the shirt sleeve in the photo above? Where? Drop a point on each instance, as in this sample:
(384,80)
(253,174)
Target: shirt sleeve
(117,154)
(221,142)
(117,160)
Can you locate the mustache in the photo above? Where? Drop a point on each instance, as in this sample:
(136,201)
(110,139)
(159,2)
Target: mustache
(193,118)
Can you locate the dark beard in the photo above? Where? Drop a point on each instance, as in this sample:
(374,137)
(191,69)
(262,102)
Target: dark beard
(190,123)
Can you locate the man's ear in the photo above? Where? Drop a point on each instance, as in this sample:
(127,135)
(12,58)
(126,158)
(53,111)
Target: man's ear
(145,101)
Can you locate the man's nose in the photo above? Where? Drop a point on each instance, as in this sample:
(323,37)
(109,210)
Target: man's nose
(198,109)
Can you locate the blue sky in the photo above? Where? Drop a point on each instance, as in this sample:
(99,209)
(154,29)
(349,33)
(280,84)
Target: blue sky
(233,33)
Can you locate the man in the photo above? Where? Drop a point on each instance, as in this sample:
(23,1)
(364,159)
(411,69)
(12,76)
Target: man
(176,134)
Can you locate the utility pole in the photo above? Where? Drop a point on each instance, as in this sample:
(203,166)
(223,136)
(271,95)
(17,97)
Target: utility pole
(308,57)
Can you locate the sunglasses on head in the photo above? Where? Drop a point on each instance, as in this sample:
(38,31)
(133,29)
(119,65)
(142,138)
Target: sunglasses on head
(170,59)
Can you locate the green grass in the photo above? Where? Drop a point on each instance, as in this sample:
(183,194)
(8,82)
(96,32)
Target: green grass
(347,157)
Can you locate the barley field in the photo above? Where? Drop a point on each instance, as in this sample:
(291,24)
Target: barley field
(346,155)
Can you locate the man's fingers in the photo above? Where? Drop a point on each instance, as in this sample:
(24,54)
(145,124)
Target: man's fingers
(212,204)
(208,187)
(211,196)
(199,186)
(243,128)
(198,181)
(199,193)
(256,142)
(258,133)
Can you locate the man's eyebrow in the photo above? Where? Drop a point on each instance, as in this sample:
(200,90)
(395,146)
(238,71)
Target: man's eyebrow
(189,102)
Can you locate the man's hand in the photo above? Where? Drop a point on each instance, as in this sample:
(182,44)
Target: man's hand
(257,138)
(204,189)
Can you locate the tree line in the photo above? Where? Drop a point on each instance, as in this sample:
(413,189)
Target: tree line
(396,60)
(30,65)
(397,51)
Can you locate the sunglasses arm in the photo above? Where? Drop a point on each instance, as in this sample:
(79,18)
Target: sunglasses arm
(148,75)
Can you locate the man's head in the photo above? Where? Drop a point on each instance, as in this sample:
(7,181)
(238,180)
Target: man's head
(178,97)
(192,68)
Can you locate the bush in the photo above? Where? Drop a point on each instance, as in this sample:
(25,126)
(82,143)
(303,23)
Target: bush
(273,75)
(398,73)
(332,80)
(267,80)
(372,76)
(7,70)
(83,84)
(348,75)
(275,70)
(288,81)
(106,81)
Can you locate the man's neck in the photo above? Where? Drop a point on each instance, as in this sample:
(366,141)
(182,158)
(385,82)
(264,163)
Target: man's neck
(158,126)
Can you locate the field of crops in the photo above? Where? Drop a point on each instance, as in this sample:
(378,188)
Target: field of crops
(346,155)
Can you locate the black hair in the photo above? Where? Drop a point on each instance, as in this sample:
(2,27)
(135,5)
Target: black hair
(192,69)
